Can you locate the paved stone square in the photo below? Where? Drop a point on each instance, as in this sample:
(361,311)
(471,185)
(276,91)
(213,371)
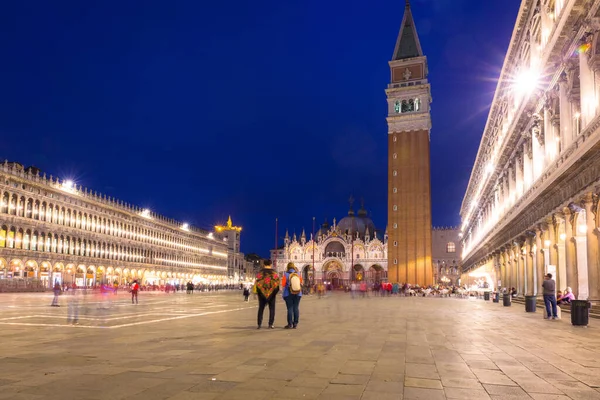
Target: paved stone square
(205,346)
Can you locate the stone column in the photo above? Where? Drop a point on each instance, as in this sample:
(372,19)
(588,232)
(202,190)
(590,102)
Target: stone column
(566,113)
(512,195)
(513,278)
(504,267)
(538,151)
(587,89)
(529,267)
(559,250)
(540,262)
(520,263)
(551,237)
(570,258)
(590,203)
(527,163)
(582,267)
(520,187)
(509,268)
(549,143)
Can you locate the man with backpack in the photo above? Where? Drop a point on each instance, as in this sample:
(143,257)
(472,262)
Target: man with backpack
(292,293)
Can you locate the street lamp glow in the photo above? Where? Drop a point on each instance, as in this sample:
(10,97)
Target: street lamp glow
(582,229)
(185,227)
(563,236)
(547,243)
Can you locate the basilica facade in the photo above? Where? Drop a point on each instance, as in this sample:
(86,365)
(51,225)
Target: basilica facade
(351,250)
(531,206)
(354,250)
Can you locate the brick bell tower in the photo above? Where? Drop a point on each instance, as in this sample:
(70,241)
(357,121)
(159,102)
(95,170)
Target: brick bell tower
(409,187)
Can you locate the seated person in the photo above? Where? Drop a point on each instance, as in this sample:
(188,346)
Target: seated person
(513,292)
(566,298)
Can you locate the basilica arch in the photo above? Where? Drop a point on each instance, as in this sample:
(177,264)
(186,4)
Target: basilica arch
(376,273)
(333,274)
(358,273)
(335,248)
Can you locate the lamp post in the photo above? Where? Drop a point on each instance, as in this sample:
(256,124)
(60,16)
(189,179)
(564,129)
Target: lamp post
(352,250)
(276,243)
(312,278)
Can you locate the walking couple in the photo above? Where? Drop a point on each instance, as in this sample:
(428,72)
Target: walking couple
(267,287)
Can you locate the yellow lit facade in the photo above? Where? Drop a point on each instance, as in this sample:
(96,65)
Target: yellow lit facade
(58,231)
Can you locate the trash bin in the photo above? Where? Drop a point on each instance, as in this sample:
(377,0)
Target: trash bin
(530,303)
(580,313)
(486,296)
(496,297)
(506,300)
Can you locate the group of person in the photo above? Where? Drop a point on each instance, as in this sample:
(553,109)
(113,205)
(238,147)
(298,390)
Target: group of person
(105,289)
(552,299)
(268,284)
(385,289)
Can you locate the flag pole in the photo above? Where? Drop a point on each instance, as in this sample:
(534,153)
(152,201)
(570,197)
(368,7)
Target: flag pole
(276,244)
(312,280)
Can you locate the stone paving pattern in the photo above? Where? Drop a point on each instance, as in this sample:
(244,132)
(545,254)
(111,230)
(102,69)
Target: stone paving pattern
(375,348)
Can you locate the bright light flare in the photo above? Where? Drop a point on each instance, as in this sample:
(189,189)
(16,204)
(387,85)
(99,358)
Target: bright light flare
(185,227)
(146,213)
(68,185)
(526,81)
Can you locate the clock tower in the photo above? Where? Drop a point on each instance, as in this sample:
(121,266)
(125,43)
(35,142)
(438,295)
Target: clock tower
(409,187)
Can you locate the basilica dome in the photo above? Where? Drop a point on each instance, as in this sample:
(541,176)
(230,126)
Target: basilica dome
(357,223)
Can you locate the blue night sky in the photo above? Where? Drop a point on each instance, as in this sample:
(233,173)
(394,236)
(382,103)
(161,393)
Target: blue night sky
(266,109)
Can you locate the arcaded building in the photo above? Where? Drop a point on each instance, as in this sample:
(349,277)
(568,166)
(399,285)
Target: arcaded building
(57,231)
(531,206)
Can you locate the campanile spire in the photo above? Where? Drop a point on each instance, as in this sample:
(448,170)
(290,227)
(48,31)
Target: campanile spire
(407,44)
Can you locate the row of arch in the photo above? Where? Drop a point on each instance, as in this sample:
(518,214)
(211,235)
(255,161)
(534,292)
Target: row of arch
(48,242)
(26,207)
(92,274)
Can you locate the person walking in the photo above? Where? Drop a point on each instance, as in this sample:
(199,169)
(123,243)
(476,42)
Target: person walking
(267,287)
(246,293)
(549,286)
(57,289)
(134,292)
(292,294)
(73,307)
